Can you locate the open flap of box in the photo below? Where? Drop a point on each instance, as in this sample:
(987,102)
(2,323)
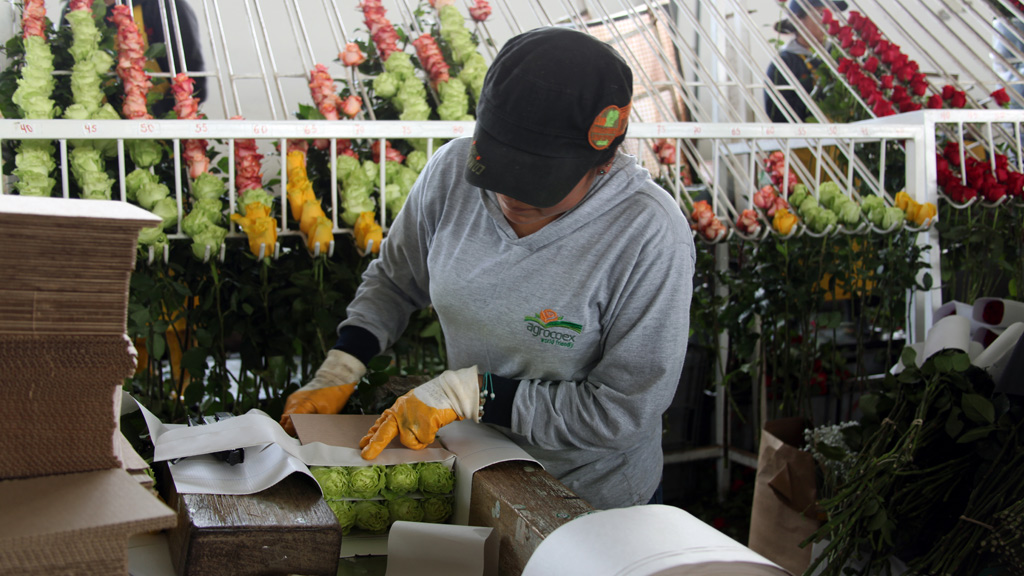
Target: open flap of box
(476,446)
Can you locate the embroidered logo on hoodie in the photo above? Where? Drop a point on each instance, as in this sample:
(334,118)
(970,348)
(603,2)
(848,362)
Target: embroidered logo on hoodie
(551,329)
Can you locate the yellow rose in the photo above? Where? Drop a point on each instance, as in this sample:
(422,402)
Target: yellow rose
(257,210)
(297,167)
(262,231)
(323,232)
(311,213)
(902,200)
(366,230)
(783,221)
(925,213)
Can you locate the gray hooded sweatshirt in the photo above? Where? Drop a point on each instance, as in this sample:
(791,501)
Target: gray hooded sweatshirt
(590,314)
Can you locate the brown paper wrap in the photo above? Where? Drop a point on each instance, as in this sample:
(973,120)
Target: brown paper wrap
(785,492)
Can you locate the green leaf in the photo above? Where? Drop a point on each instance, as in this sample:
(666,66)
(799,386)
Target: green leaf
(156,50)
(878,520)
(978,408)
(975,434)
(158,346)
(942,363)
(909,357)
(961,362)
(194,361)
(379,363)
(954,426)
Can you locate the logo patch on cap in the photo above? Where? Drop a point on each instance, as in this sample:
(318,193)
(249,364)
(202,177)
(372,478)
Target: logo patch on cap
(607,126)
(475,165)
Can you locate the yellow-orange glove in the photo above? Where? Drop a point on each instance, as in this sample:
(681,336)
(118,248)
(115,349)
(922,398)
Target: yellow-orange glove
(328,391)
(416,417)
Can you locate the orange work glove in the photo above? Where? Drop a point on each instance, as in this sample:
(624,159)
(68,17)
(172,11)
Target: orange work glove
(417,416)
(328,391)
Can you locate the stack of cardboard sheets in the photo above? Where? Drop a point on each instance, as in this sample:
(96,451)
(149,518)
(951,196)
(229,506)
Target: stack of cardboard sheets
(67,504)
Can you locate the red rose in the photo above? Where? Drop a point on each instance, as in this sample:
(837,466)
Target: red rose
(826,16)
(871,65)
(1002,161)
(883,108)
(857,49)
(952,153)
(833,27)
(881,46)
(947,92)
(904,73)
(909,106)
(959,99)
(935,101)
(919,88)
(1001,97)
(844,65)
(994,192)
(866,86)
(887,81)
(1015,184)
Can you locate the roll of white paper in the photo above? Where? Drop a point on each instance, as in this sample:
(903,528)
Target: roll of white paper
(644,541)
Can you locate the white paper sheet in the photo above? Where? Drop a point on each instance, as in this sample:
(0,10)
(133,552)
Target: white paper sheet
(415,548)
(644,541)
(476,446)
(263,467)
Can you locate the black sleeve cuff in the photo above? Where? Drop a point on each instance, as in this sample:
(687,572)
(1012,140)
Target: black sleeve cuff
(358,342)
(498,410)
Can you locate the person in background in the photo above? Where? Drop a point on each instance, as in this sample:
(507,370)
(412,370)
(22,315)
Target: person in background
(149,18)
(560,272)
(798,57)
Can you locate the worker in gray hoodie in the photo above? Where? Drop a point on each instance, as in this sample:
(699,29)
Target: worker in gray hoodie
(560,272)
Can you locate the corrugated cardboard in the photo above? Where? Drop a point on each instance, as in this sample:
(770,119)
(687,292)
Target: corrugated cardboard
(66,264)
(57,402)
(75,523)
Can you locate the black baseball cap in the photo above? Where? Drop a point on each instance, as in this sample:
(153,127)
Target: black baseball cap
(552,104)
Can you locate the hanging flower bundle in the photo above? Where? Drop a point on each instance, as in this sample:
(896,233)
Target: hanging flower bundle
(91,65)
(203,221)
(964,180)
(34,158)
(255,206)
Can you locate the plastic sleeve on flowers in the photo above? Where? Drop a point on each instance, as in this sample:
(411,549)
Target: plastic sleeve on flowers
(358,342)
(498,410)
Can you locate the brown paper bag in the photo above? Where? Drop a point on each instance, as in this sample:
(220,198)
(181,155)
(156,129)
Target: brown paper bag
(785,493)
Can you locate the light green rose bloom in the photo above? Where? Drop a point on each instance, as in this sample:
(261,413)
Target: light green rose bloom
(153,237)
(386,85)
(435,478)
(33,165)
(849,213)
(167,208)
(150,193)
(145,153)
(135,181)
(436,509)
(35,86)
(366,481)
(472,74)
(212,237)
(406,510)
(400,64)
(417,160)
(454,101)
(207,187)
(371,516)
(333,480)
(345,511)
